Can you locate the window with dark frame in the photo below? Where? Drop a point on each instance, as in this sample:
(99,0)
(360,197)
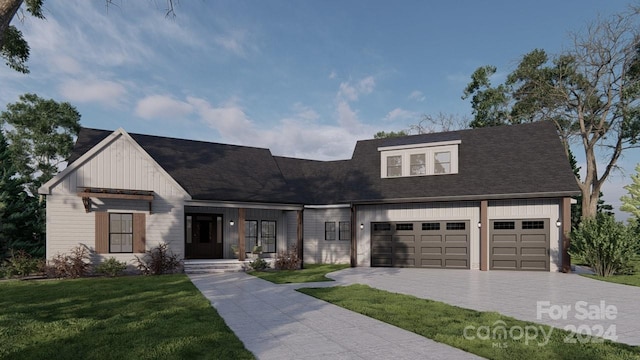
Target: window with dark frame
(120,233)
(381,227)
(250,234)
(504,225)
(330,230)
(268,236)
(345,230)
(536,224)
(456,226)
(405,226)
(431,226)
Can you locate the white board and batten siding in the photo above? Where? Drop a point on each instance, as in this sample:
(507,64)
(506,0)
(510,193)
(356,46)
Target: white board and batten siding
(366,214)
(317,250)
(118,165)
(533,209)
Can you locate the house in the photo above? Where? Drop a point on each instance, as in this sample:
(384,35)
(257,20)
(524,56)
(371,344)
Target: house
(489,199)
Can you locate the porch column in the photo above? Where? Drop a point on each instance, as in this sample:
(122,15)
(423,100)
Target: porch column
(484,232)
(241,244)
(565,235)
(354,237)
(299,236)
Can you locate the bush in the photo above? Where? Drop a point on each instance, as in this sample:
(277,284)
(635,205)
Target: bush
(111,267)
(604,244)
(73,265)
(157,261)
(259,264)
(20,263)
(288,260)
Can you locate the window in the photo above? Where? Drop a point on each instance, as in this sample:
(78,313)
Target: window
(504,225)
(533,224)
(120,233)
(418,165)
(394,166)
(250,234)
(345,230)
(442,163)
(456,226)
(434,226)
(330,230)
(268,236)
(382,227)
(404,226)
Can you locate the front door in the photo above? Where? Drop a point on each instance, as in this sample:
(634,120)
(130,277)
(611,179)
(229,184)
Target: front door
(203,238)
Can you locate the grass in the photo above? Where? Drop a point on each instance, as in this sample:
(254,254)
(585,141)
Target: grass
(133,317)
(310,273)
(446,324)
(633,280)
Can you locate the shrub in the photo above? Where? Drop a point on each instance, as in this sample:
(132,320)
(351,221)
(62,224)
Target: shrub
(288,260)
(604,244)
(111,267)
(159,260)
(259,264)
(20,263)
(73,265)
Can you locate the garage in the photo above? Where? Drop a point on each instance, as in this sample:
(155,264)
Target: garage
(519,244)
(427,244)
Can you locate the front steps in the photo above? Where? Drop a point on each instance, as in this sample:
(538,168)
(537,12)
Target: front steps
(207,266)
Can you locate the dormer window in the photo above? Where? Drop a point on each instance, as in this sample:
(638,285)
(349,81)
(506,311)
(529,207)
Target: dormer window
(439,158)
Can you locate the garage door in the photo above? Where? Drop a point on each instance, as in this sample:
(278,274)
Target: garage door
(519,244)
(429,244)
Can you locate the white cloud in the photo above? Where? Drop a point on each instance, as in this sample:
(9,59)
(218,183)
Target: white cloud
(228,119)
(400,114)
(351,92)
(417,96)
(366,85)
(104,92)
(162,106)
(332,74)
(235,41)
(347,117)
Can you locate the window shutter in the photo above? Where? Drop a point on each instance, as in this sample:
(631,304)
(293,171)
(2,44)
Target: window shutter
(102,232)
(139,232)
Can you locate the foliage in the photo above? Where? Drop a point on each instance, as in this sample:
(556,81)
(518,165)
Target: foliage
(158,260)
(14,49)
(288,260)
(73,265)
(21,215)
(604,244)
(390,134)
(576,209)
(591,92)
(131,317)
(20,263)
(259,264)
(631,202)
(111,267)
(632,278)
(446,324)
(40,136)
(309,273)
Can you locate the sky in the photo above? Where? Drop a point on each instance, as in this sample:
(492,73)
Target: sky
(303,78)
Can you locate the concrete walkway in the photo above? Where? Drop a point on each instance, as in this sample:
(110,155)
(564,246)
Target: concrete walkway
(276,322)
(556,299)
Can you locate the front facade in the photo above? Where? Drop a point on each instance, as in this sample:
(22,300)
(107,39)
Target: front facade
(488,199)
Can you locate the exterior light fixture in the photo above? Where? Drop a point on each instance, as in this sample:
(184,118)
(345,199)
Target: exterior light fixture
(232,223)
(558,222)
(361,226)
(479,224)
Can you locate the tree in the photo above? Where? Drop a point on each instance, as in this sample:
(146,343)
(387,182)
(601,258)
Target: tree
(21,216)
(40,136)
(631,202)
(390,134)
(576,209)
(590,92)
(441,122)
(14,49)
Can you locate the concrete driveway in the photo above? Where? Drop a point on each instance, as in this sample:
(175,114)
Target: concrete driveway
(276,322)
(561,300)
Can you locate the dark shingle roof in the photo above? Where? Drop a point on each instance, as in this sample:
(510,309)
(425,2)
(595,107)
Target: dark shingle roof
(499,162)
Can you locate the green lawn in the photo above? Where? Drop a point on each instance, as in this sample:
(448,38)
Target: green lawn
(132,317)
(633,280)
(310,273)
(446,324)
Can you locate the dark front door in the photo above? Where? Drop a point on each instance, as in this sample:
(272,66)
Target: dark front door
(203,238)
